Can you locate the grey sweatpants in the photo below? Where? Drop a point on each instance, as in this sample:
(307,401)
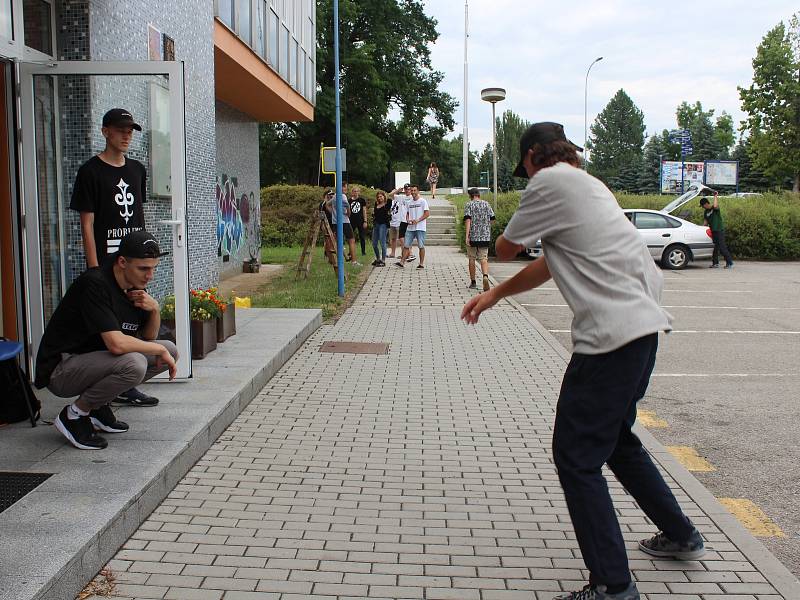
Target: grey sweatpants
(99,377)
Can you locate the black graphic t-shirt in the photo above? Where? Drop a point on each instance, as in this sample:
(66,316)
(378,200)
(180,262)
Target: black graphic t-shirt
(381,214)
(93,304)
(115,195)
(357,206)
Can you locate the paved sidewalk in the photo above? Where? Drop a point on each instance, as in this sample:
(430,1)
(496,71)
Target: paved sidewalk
(424,473)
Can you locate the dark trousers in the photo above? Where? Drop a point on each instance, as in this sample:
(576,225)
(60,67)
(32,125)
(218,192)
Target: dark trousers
(596,410)
(361,233)
(720,247)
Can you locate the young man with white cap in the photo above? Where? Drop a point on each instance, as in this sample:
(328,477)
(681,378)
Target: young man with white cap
(607,276)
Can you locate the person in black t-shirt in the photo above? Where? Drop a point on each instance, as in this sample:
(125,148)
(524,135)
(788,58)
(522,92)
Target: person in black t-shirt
(358,217)
(109,194)
(380,229)
(101,341)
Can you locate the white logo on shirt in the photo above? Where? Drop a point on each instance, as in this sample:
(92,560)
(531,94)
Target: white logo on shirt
(124,199)
(130,326)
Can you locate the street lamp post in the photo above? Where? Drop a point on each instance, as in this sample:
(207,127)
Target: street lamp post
(494,95)
(586,109)
(465,135)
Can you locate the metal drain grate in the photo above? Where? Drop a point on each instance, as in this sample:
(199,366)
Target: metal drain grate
(14,486)
(355,347)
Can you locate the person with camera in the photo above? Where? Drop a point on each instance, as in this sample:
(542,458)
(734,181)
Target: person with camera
(101,341)
(607,276)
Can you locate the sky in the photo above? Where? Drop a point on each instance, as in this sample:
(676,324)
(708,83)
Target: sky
(539,51)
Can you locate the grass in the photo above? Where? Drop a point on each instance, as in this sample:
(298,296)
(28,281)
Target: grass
(318,290)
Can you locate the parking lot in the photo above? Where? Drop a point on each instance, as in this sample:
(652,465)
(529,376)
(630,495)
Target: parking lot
(726,381)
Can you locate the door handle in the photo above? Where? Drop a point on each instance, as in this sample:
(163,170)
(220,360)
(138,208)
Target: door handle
(666,235)
(179,224)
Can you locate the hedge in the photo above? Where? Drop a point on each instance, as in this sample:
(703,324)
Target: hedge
(763,227)
(286,209)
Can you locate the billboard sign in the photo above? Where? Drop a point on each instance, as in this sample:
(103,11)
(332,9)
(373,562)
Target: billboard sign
(722,172)
(671,177)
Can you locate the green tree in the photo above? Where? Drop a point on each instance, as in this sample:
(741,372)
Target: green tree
(750,178)
(772,104)
(647,180)
(616,139)
(711,140)
(385,68)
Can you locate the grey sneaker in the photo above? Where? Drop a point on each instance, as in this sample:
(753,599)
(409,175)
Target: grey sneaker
(663,547)
(598,592)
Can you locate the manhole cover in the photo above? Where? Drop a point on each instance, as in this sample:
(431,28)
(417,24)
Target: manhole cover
(14,486)
(355,347)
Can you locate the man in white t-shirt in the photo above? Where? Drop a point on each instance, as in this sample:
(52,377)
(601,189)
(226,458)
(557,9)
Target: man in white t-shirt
(397,226)
(607,276)
(417,212)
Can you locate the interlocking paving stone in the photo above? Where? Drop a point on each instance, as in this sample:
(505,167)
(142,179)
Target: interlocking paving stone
(422,473)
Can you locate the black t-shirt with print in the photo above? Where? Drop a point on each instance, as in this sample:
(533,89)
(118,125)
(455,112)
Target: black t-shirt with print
(382,216)
(93,304)
(357,207)
(115,195)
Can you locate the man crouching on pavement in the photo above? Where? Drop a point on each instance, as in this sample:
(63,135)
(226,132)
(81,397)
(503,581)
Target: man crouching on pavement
(101,341)
(607,276)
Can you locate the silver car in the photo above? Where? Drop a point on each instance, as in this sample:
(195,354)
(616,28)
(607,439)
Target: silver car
(672,241)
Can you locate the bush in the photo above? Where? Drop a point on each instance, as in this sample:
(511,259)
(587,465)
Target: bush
(286,210)
(758,227)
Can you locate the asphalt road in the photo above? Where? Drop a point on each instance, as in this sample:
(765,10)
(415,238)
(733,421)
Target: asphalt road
(726,380)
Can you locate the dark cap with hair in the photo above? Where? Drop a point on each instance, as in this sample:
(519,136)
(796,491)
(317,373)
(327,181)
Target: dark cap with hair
(540,133)
(704,201)
(140,244)
(119,117)
(473,192)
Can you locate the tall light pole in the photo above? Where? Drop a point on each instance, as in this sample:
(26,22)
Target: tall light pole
(586,109)
(339,211)
(494,95)
(464,136)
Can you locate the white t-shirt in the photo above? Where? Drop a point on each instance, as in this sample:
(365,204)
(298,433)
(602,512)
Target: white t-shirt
(598,260)
(415,209)
(398,209)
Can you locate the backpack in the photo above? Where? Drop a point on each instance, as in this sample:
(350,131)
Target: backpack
(13,407)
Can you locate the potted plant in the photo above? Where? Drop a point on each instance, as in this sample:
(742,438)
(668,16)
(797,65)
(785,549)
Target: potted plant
(203,312)
(167,330)
(226,321)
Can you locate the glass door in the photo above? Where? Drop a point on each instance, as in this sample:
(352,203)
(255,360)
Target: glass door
(61,109)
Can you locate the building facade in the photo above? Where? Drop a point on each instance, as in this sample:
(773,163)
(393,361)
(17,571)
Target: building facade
(198,75)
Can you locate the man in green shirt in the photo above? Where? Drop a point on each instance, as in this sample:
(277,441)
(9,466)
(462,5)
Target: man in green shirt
(713,219)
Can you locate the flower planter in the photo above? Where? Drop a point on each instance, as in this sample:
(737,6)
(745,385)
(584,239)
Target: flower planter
(251,267)
(204,337)
(226,324)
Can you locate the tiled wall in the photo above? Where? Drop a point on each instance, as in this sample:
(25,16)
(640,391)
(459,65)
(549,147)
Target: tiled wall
(103,30)
(237,189)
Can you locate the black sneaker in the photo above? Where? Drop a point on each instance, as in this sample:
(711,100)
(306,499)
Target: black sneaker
(714,266)
(420,266)
(663,547)
(399,265)
(472,286)
(134,397)
(79,432)
(598,592)
(104,420)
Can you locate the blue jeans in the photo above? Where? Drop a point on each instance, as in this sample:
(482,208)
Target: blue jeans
(379,236)
(595,413)
(418,235)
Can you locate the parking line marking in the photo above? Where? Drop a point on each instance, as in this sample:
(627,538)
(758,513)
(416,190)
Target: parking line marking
(723,375)
(729,331)
(689,458)
(542,305)
(649,419)
(752,517)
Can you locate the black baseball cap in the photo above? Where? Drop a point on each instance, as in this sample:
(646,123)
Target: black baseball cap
(140,244)
(119,117)
(540,133)
(473,192)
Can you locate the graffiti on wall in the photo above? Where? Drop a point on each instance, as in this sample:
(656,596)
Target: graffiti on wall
(237,218)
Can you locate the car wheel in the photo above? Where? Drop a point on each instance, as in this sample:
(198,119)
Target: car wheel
(675,257)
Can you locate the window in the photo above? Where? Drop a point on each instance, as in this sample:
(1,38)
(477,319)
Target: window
(293,63)
(301,73)
(645,220)
(283,53)
(6,20)
(261,17)
(246,22)
(37,17)
(225,12)
(311,80)
(272,56)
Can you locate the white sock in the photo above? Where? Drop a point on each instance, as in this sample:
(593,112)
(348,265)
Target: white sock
(73,412)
